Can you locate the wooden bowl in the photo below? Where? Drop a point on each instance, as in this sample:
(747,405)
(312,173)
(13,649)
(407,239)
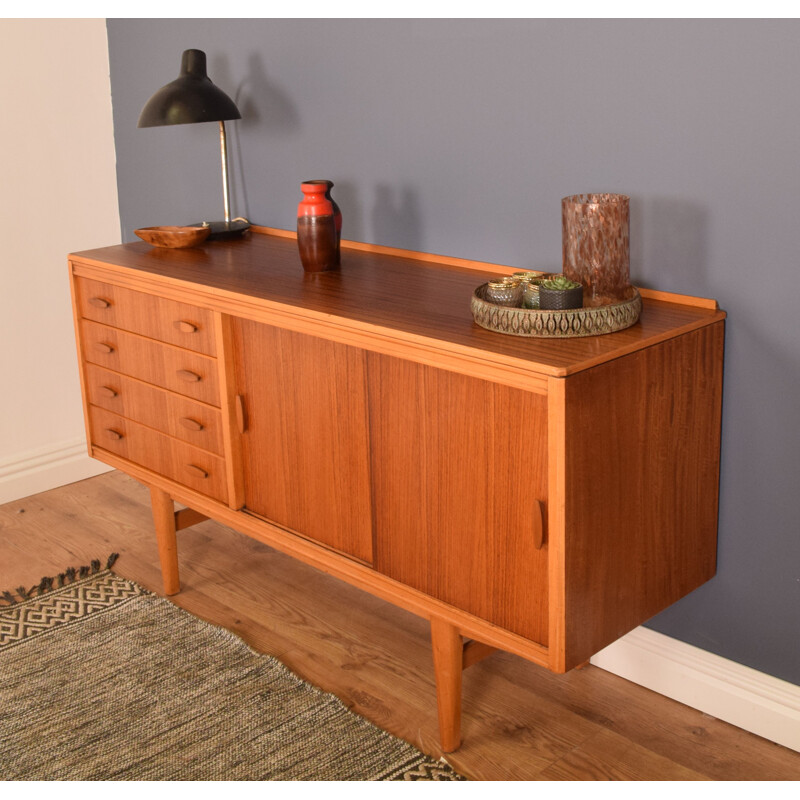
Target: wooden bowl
(174,235)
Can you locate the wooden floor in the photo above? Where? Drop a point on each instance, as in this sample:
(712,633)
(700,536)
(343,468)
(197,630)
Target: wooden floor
(520,721)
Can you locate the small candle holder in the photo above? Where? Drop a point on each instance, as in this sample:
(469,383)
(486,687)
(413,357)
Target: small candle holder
(530,275)
(530,294)
(504,292)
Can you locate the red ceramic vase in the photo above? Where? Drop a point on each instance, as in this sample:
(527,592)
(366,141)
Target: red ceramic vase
(317,235)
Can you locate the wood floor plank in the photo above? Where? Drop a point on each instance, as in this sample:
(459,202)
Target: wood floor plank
(520,722)
(611,757)
(689,737)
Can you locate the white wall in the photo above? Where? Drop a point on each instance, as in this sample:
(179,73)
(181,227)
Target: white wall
(59,194)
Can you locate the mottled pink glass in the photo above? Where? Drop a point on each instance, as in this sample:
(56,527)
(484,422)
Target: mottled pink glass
(596,246)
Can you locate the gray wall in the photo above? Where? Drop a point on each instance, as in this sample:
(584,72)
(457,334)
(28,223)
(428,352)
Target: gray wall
(461,138)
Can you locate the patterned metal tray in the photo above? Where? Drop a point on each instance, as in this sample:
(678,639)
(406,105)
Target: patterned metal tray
(555,324)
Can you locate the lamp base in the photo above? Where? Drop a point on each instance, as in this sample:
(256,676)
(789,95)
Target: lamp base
(226,230)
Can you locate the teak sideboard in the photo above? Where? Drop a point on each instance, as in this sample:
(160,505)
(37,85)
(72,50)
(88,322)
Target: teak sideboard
(539,496)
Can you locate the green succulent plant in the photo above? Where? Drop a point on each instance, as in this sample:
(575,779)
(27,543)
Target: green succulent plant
(560,282)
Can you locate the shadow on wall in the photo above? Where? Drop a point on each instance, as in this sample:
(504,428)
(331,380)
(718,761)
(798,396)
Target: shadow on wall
(345,193)
(669,236)
(263,104)
(396,220)
(264,107)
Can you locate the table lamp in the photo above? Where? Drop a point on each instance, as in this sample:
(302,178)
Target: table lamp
(192,97)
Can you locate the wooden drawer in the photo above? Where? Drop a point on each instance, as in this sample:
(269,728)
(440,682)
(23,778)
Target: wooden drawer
(155,317)
(173,414)
(173,368)
(190,466)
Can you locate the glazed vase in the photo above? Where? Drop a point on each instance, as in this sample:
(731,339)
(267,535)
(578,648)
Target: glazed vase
(596,246)
(317,236)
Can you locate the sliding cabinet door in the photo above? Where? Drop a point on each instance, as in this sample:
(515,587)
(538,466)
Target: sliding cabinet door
(460,474)
(305,446)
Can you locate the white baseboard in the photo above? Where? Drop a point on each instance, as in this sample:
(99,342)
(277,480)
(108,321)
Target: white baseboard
(46,468)
(752,700)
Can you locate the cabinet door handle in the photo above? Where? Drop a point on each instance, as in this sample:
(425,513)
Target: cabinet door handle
(99,302)
(184,326)
(241,414)
(189,377)
(191,424)
(108,391)
(112,434)
(104,347)
(538,524)
(198,472)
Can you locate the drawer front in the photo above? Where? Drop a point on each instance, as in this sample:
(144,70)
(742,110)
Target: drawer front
(169,321)
(173,368)
(190,466)
(173,414)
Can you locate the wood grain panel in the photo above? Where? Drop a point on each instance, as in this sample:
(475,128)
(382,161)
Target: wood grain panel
(231,404)
(364,297)
(170,321)
(642,483)
(151,361)
(459,465)
(321,557)
(556,525)
(173,414)
(195,468)
(305,448)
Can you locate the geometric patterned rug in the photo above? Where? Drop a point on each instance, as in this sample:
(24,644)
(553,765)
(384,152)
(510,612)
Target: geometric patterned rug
(102,680)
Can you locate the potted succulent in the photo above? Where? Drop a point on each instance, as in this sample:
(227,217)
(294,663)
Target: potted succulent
(559,292)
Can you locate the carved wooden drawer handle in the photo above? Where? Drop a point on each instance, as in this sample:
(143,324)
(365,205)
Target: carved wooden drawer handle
(108,391)
(99,302)
(198,472)
(112,434)
(184,326)
(104,347)
(189,377)
(538,524)
(191,424)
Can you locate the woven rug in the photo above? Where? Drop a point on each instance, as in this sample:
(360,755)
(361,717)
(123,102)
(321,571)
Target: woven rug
(102,680)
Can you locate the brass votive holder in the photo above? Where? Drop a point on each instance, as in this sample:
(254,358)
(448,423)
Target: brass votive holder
(504,292)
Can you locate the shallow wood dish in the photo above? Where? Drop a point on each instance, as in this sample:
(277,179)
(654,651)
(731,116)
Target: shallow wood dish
(174,235)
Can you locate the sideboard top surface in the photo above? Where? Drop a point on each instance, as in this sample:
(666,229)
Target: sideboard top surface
(421,300)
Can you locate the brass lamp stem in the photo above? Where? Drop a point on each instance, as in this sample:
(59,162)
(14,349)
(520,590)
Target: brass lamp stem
(225,191)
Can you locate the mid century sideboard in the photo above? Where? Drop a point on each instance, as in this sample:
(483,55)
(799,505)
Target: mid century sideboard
(539,496)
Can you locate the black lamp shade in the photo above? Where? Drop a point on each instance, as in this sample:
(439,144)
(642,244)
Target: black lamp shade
(192,97)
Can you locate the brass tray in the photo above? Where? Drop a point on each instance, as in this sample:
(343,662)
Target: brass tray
(555,324)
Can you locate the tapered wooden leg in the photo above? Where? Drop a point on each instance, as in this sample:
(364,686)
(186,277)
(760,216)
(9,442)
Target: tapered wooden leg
(164,519)
(448,652)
